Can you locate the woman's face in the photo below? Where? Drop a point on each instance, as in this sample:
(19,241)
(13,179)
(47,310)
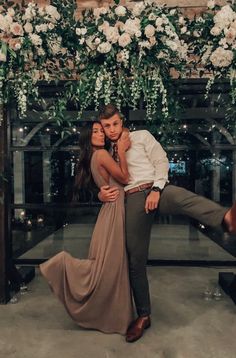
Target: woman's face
(98,136)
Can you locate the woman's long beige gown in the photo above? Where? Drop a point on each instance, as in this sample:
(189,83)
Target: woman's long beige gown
(96,291)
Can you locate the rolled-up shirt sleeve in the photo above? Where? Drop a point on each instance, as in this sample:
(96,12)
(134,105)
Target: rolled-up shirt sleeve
(158,158)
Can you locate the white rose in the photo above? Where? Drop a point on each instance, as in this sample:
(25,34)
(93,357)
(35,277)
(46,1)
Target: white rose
(221,57)
(138,8)
(120,10)
(104,47)
(11,12)
(149,31)
(28,28)
(16,29)
(124,40)
(215,31)
(159,22)
(112,34)
(138,33)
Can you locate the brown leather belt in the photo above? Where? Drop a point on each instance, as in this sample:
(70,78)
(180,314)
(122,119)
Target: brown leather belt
(139,188)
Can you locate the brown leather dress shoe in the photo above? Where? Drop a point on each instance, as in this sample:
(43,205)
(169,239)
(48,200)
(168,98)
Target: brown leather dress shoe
(137,327)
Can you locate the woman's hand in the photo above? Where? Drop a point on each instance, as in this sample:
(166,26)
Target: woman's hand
(124,142)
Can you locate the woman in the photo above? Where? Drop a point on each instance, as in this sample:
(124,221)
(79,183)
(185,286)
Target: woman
(96,291)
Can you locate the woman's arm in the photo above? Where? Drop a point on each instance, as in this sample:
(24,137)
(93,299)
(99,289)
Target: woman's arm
(118,171)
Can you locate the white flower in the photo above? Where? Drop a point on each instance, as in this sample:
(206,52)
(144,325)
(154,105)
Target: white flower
(89,42)
(41,28)
(172,44)
(11,12)
(230,35)
(131,26)
(138,8)
(196,33)
(206,55)
(16,29)
(100,11)
(35,39)
(138,33)
(151,16)
(145,44)
(124,40)
(104,26)
(224,17)
(112,34)
(221,57)
(28,27)
(159,22)
(104,47)
(3,57)
(152,40)
(97,41)
(81,41)
(52,12)
(149,31)
(81,31)
(120,10)
(211,4)
(181,20)
(51,26)
(172,12)
(183,30)
(216,30)
(122,56)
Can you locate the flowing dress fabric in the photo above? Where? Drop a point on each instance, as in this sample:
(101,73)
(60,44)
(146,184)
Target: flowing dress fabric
(96,291)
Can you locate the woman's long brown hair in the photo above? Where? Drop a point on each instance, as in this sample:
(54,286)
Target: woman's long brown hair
(83,175)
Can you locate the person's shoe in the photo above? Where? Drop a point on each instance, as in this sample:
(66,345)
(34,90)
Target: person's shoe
(137,327)
(230,219)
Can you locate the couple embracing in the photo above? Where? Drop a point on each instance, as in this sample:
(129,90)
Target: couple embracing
(99,292)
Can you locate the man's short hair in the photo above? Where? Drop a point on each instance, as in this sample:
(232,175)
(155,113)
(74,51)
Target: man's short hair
(107,111)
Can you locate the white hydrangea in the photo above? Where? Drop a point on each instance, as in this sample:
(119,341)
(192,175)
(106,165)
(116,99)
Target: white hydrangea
(4,23)
(35,39)
(221,57)
(41,28)
(224,17)
(120,10)
(104,47)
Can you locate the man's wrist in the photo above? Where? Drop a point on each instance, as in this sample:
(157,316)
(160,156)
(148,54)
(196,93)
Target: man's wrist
(156,189)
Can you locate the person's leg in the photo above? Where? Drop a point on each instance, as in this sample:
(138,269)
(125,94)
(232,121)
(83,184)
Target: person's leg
(176,200)
(138,228)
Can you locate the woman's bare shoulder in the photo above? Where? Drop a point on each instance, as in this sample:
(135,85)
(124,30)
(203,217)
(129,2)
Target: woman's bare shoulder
(101,154)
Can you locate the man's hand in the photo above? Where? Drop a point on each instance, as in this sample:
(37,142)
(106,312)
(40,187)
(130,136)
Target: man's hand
(152,201)
(108,193)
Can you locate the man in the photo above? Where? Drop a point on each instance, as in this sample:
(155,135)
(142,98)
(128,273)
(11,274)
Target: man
(148,189)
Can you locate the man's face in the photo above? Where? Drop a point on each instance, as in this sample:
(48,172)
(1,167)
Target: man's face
(112,127)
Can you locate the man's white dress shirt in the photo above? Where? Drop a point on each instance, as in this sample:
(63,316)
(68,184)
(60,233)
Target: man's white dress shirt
(147,161)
